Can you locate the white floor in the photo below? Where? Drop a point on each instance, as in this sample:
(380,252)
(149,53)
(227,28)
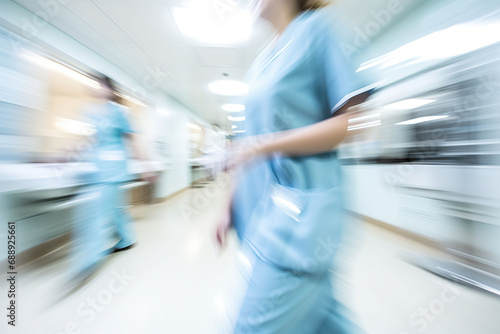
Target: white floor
(177,281)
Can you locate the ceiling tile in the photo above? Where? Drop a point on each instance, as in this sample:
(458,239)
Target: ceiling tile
(141,37)
(219,73)
(147,23)
(221,57)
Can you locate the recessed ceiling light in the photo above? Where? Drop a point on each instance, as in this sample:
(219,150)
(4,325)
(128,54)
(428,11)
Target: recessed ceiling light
(193,126)
(236,119)
(240,131)
(163,111)
(234,126)
(228,87)
(409,104)
(204,22)
(233,107)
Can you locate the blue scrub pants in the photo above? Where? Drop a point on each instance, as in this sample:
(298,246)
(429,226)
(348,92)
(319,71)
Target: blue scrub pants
(115,210)
(99,206)
(280,301)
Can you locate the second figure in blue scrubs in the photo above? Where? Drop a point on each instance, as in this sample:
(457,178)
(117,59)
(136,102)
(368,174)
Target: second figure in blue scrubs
(103,202)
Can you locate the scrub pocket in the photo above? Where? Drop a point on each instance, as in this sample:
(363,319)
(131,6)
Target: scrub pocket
(298,229)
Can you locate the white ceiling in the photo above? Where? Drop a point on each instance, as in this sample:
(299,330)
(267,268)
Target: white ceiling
(141,37)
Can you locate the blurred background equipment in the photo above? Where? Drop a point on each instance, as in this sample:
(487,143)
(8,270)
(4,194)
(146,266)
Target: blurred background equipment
(426,158)
(423,162)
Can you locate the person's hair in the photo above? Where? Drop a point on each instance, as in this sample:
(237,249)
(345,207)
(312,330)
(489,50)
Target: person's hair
(311,4)
(105,81)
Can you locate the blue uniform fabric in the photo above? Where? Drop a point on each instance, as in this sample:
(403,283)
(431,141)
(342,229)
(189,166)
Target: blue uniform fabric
(288,209)
(109,152)
(301,81)
(282,301)
(88,228)
(103,203)
(114,209)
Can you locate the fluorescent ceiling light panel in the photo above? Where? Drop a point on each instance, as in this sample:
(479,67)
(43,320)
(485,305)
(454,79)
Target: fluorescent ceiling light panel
(208,22)
(193,126)
(450,42)
(236,119)
(240,131)
(409,104)
(228,87)
(162,111)
(422,120)
(64,70)
(233,107)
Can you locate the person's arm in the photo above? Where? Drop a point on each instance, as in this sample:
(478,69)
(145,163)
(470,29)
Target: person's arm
(138,146)
(313,139)
(318,138)
(140,151)
(344,92)
(225,221)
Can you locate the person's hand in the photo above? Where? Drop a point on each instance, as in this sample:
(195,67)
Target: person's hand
(242,153)
(223,228)
(149,175)
(356,111)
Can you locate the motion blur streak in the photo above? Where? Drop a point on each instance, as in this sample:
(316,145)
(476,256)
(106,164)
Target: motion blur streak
(421,164)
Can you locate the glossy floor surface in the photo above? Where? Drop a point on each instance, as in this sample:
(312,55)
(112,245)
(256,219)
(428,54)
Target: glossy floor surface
(177,281)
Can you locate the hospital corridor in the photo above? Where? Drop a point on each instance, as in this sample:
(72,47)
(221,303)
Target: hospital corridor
(250,166)
(177,281)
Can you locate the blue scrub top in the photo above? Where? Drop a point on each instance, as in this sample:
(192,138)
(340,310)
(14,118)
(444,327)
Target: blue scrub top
(109,151)
(283,205)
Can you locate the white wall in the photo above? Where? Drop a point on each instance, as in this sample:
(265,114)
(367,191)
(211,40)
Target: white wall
(171,129)
(372,191)
(16,18)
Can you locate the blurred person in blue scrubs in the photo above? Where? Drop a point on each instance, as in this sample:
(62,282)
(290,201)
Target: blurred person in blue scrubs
(287,201)
(103,203)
